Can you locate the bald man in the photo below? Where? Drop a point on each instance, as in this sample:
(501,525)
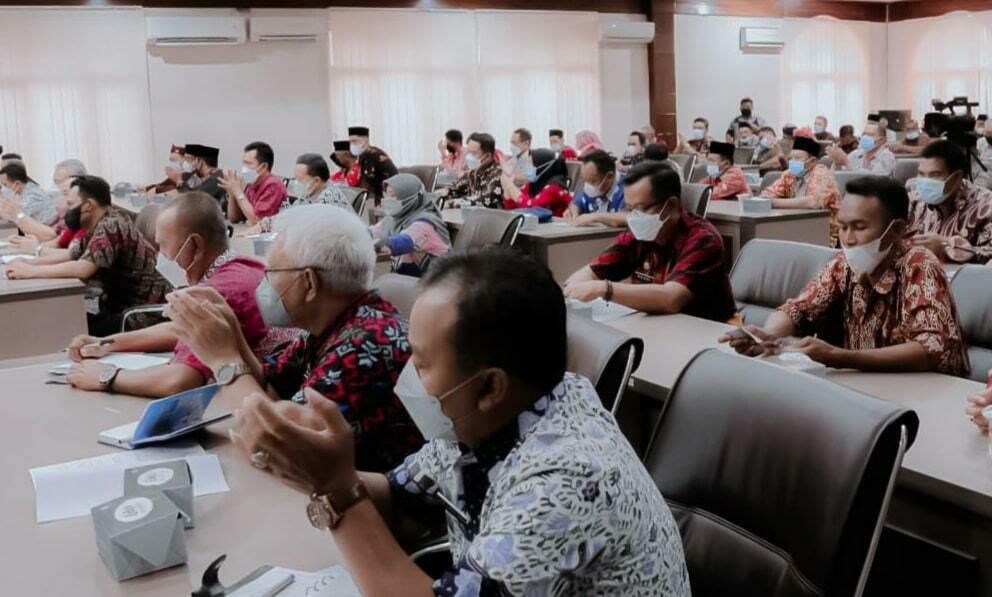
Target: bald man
(193,251)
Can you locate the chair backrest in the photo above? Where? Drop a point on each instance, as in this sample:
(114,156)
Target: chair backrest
(426,174)
(684,160)
(145,222)
(971,287)
(483,226)
(844,176)
(401,291)
(743,155)
(696,198)
(698,171)
(827,161)
(768,179)
(605,355)
(779,481)
(768,272)
(574,168)
(905,169)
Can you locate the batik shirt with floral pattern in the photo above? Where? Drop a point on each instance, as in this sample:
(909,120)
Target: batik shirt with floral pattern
(910,302)
(967,225)
(557,503)
(355,363)
(819,184)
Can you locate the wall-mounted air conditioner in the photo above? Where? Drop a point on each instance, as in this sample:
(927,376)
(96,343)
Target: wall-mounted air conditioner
(195,30)
(761,40)
(631,32)
(285,28)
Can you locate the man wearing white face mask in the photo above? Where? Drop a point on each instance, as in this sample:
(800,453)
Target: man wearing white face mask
(873,155)
(890,299)
(482,184)
(253,192)
(601,200)
(352,347)
(176,171)
(671,261)
(309,186)
(374,165)
(949,214)
(542,493)
(22,201)
(193,251)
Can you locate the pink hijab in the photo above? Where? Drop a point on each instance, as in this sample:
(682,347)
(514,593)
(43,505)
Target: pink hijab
(587,141)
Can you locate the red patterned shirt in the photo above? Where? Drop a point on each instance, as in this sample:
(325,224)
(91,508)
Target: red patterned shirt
(569,153)
(552,196)
(355,363)
(235,279)
(125,264)
(694,259)
(967,223)
(266,195)
(728,185)
(910,302)
(819,183)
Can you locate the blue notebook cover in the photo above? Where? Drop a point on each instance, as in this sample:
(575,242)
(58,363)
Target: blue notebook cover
(170,417)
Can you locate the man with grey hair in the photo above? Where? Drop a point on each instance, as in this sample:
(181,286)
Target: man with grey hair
(193,251)
(42,232)
(353,345)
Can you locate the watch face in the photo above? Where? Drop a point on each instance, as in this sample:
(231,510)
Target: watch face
(106,376)
(225,374)
(319,514)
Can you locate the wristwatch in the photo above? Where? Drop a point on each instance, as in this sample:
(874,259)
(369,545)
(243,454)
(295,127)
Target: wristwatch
(107,377)
(230,372)
(326,511)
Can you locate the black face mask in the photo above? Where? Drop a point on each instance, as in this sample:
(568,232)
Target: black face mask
(452,148)
(746,112)
(74,218)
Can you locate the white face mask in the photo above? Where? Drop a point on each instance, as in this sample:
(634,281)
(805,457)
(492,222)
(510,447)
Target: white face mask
(298,189)
(356,149)
(864,259)
(631,150)
(644,226)
(591,191)
(913,135)
(249,175)
(7,192)
(472,161)
(391,205)
(169,269)
(187,167)
(424,409)
(556,147)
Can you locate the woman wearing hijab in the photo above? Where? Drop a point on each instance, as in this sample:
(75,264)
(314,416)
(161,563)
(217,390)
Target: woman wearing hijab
(587,142)
(413,231)
(546,186)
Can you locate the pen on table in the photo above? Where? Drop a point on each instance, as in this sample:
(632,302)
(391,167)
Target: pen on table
(100,343)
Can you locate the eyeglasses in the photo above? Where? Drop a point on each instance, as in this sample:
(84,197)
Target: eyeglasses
(288,269)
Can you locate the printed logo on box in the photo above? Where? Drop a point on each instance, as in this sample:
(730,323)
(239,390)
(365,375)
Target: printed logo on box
(156,476)
(133,509)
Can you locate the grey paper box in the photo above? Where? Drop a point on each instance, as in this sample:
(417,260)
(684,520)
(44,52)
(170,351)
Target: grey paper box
(172,478)
(136,535)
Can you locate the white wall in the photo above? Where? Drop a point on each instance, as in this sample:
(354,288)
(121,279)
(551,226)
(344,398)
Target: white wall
(623,81)
(712,74)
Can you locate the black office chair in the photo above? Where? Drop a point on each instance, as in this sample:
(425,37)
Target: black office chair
(971,287)
(574,169)
(605,355)
(696,198)
(768,179)
(426,174)
(779,481)
(483,226)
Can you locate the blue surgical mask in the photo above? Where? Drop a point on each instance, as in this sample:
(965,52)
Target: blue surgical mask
(913,135)
(7,192)
(713,170)
(797,167)
(187,167)
(930,190)
(472,161)
(271,307)
(766,142)
(698,134)
(531,172)
(818,129)
(867,142)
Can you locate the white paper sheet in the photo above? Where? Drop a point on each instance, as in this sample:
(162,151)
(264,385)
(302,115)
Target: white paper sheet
(329,582)
(131,361)
(72,488)
(8,258)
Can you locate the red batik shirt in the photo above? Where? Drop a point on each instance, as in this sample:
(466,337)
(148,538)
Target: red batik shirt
(910,302)
(552,197)
(355,363)
(728,185)
(694,259)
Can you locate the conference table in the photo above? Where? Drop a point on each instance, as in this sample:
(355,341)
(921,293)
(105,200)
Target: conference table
(800,225)
(557,244)
(36,316)
(943,495)
(260,521)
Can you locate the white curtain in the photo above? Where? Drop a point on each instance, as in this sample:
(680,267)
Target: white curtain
(73,84)
(538,70)
(952,56)
(410,75)
(826,71)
